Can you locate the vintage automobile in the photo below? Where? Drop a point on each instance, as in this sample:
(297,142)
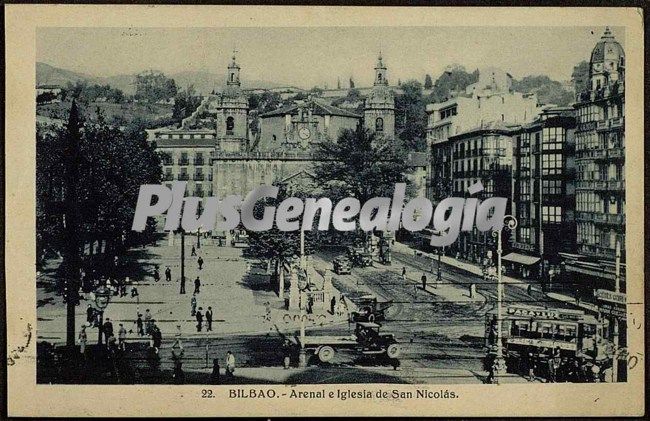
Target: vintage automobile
(342,265)
(370,309)
(359,257)
(366,340)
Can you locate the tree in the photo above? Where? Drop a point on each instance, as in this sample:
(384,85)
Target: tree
(154,86)
(111,165)
(548,91)
(580,77)
(410,116)
(454,78)
(278,247)
(185,103)
(428,83)
(360,165)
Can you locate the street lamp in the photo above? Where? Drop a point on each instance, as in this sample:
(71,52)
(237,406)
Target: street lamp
(102,298)
(509,222)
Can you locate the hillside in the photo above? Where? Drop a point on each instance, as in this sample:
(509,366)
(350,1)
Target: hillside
(204,82)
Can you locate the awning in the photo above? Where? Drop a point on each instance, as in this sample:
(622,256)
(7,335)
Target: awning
(521,258)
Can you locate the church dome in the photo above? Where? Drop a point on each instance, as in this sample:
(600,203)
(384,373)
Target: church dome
(607,49)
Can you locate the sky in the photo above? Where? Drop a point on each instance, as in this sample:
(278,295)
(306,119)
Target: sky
(315,56)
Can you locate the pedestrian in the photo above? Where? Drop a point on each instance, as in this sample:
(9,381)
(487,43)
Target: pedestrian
(182,285)
(134,292)
(199,319)
(200,262)
(83,339)
(532,365)
(403,273)
(177,341)
(168,274)
(332,304)
(215,377)
(139,325)
(208,318)
(193,305)
(193,251)
(529,289)
(90,316)
(179,375)
(197,285)
(121,337)
(147,322)
(156,337)
(424,281)
(230,364)
(156,274)
(310,304)
(107,329)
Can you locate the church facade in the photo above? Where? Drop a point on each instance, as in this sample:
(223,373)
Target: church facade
(214,151)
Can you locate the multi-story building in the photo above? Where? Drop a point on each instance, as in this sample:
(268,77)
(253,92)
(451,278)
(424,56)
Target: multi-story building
(543,193)
(600,152)
(600,164)
(482,154)
(489,100)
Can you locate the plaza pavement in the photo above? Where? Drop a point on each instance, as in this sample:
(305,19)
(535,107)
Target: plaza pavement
(240,295)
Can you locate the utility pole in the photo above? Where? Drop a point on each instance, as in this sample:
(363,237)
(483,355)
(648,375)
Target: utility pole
(71,251)
(182,256)
(617,289)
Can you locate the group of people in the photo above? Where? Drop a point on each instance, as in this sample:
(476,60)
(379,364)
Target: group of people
(339,308)
(198,314)
(557,368)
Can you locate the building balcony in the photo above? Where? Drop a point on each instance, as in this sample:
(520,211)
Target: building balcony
(183,177)
(592,154)
(616,185)
(602,125)
(524,246)
(601,218)
(199,177)
(199,162)
(183,162)
(617,122)
(616,153)
(597,251)
(585,216)
(592,185)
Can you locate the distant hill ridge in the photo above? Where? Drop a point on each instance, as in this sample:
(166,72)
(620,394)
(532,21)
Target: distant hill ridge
(204,82)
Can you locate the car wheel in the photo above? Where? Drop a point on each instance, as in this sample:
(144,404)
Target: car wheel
(326,353)
(393,351)
(371,318)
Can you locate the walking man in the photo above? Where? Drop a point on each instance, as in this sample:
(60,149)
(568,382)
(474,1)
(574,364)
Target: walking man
(197,285)
(215,377)
(332,304)
(403,273)
(193,251)
(156,274)
(200,262)
(230,364)
(424,281)
(121,338)
(168,274)
(90,316)
(108,329)
(83,339)
(147,322)
(193,305)
(182,285)
(139,325)
(208,318)
(199,319)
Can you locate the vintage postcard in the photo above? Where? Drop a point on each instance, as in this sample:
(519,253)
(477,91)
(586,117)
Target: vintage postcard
(281,211)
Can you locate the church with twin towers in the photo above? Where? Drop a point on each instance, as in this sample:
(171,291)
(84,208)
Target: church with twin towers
(222,148)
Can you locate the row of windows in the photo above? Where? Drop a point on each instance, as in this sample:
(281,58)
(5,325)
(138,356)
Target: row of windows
(448,112)
(184,136)
(553,138)
(591,171)
(551,164)
(200,158)
(551,214)
(588,201)
(591,234)
(551,187)
(589,113)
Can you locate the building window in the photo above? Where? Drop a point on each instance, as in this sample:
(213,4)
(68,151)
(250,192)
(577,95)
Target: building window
(551,164)
(379,125)
(552,138)
(551,187)
(230,125)
(551,214)
(524,235)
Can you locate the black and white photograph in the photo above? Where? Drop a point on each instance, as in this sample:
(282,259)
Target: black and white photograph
(321,113)
(324,211)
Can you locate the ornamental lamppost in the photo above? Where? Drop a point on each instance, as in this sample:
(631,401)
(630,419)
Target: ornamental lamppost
(509,222)
(102,298)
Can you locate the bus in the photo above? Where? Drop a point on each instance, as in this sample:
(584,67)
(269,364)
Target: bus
(541,331)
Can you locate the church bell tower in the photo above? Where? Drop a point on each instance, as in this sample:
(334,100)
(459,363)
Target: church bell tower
(379,111)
